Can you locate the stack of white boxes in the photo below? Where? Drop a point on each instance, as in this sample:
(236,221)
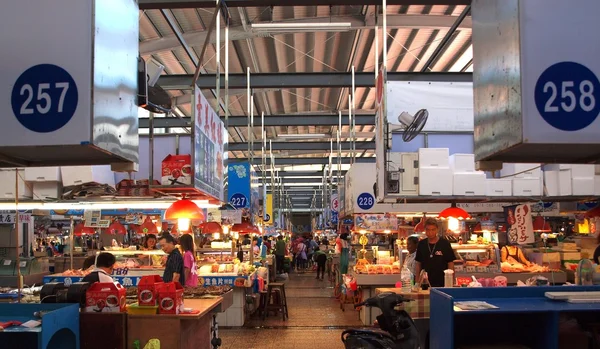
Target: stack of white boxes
(8,188)
(435,175)
(46,182)
(78,175)
(526,178)
(466,180)
(558,180)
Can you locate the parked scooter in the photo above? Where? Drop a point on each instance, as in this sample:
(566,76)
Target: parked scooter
(398,328)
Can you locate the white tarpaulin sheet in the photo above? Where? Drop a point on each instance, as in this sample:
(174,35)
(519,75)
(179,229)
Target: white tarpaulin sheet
(450,104)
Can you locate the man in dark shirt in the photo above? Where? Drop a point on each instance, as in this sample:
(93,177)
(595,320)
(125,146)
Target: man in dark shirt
(280,254)
(434,255)
(174,269)
(104,268)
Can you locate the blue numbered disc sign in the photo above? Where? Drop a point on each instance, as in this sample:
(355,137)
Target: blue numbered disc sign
(239,200)
(267,217)
(566,96)
(365,201)
(44,98)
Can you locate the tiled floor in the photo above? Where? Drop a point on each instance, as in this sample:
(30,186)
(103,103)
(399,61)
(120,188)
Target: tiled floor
(316,320)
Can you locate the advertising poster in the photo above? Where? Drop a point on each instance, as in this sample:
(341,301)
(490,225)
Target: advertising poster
(520,224)
(210,136)
(376,222)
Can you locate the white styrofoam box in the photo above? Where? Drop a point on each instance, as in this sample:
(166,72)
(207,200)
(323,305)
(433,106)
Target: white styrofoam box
(462,163)
(434,157)
(558,183)
(7,185)
(469,183)
(521,170)
(583,171)
(77,175)
(498,187)
(527,186)
(435,181)
(597,185)
(43,174)
(583,186)
(47,190)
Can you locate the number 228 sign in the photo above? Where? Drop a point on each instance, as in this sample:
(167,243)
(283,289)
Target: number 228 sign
(567,96)
(44,98)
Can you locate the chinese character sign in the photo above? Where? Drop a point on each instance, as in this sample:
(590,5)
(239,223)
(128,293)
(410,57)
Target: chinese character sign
(209,137)
(520,224)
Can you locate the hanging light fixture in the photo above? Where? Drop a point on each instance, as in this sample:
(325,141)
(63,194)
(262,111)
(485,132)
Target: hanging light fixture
(243,228)
(211,228)
(541,226)
(454,214)
(148,227)
(184,211)
(81,229)
(116,228)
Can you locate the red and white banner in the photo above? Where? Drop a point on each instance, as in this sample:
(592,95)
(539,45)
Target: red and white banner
(520,224)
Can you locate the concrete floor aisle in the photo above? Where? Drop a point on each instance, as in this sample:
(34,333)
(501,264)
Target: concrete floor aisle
(316,320)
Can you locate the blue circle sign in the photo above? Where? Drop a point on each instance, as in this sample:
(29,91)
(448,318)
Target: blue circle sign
(567,96)
(267,217)
(365,201)
(44,98)
(239,200)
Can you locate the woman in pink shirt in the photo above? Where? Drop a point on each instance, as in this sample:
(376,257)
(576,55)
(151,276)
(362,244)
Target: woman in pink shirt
(189,260)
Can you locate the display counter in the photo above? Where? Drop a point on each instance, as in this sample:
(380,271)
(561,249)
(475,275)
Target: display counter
(176,331)
(520,316)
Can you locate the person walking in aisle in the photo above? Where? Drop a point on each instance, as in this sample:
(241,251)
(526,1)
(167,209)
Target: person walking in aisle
(189,260)
(320,258)
(279,254)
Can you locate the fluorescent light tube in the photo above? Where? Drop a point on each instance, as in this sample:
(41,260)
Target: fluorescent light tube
(300,27)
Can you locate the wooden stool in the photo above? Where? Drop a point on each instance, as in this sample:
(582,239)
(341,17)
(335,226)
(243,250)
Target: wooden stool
(281,304)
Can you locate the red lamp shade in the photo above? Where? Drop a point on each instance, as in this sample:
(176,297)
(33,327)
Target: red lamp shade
(541,226)
(81,229)
(148,227)
(244,228)
(185,209)
(420,227)
(454,212)
(211,228)
(116,228)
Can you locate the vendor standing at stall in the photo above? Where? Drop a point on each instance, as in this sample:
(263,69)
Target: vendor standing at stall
(104,267)
(514,251)
(411,246)
(174,269)
(434,255)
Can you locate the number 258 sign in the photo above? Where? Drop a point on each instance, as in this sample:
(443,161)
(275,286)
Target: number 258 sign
(567,96)
(44,98)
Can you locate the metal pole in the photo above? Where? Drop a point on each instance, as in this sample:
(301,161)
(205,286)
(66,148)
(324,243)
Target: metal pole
(376,51)
(251,131)
(353,131)
(248,106)
(350,126)
(206,41)
(71,241)
(384,8)
(218,59)
(17,230)
(151,146)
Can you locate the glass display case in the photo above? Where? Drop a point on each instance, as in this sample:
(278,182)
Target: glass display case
(220,255)
(476,258)
(139,262)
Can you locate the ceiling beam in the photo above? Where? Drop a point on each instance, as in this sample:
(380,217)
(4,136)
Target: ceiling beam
(304,80)
(238,32)
(284,174)
(160,4)
(270,120)
(302,146)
